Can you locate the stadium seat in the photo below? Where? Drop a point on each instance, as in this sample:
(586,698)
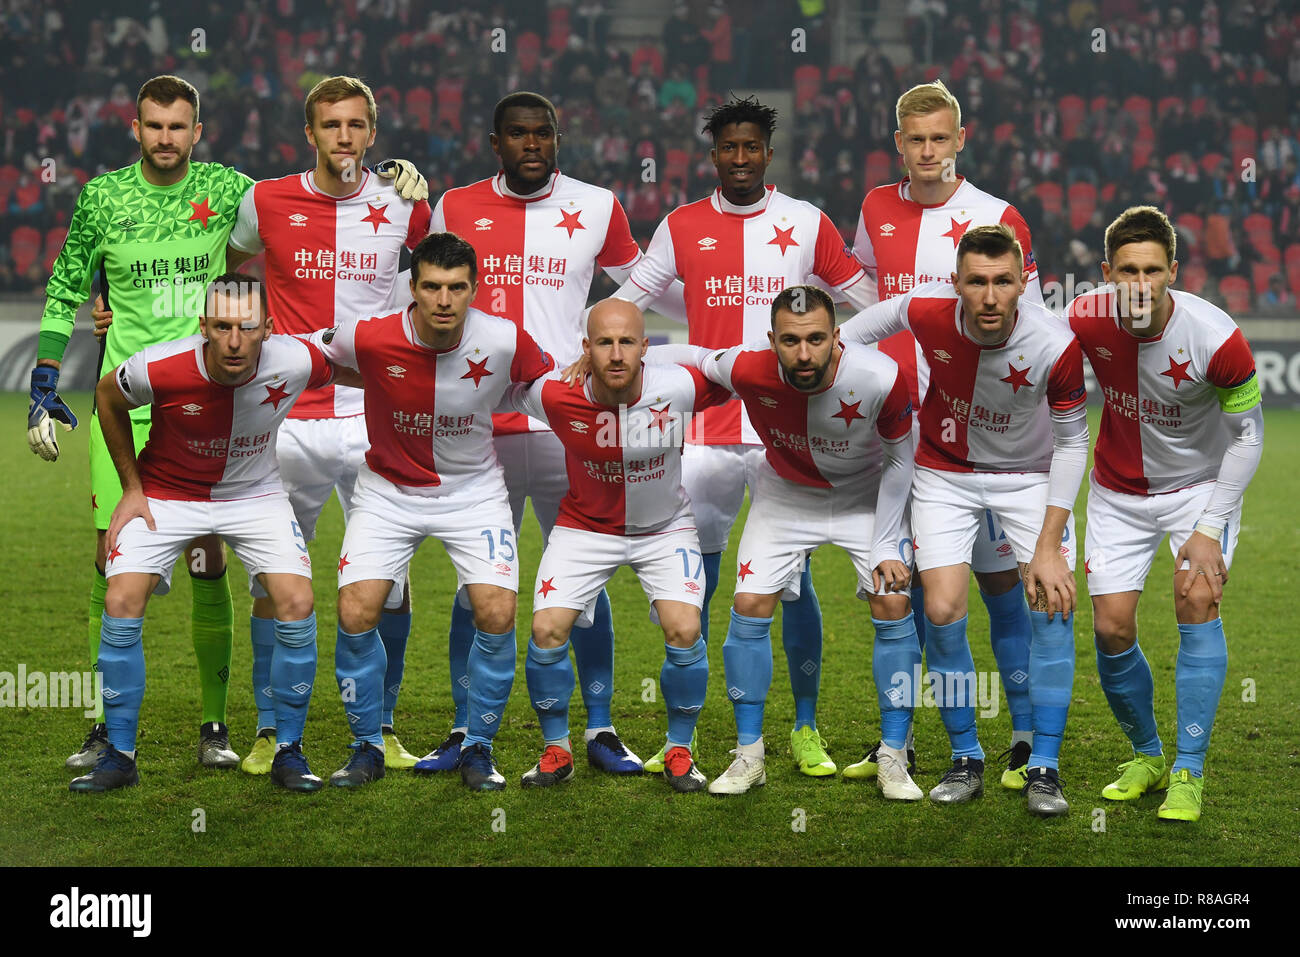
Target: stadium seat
(1293,278)
(1167,104)
(1260,274)
(558,29)
(807,84)
(879,169)
(1071,108)
(1003,132)
(25,247)
(1292,255)
(1108,192)
(933,73)
(677,164)
(1083,203)
(1210,162)
(1144,144)
(1198,106)
(1192,277)
(419,107)
(1050,195)
(647,53)
(388,98)
(53,244)
(1259,228)
(836,74)
(1139,107)
(1098,104)
(449,91)
(529,50)
(28,197)
(1236,293)
(1242,139)
(1218,238)
(311,39)
(1192,225)
(9,174)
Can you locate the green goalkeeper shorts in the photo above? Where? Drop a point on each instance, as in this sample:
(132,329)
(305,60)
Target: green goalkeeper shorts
(105,488)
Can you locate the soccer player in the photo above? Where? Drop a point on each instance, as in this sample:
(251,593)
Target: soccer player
(622,430)
(332,238)
(1005,375)
(735,251)
(156,232)
(432,374)
(823,480)
(208,468)
(907,235)
(1181,436)
(540,236)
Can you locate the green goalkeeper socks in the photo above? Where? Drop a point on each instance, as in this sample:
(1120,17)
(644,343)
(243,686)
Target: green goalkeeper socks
(214,635)
(95,620)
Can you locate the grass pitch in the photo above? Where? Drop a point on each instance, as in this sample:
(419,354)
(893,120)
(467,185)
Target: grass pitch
(598,819)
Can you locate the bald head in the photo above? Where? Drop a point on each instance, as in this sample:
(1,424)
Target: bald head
(615,344)
(609,314)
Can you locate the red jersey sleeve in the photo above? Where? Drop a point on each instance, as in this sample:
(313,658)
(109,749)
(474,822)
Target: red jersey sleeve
(421,217)
(1011,217)
(530,361)
(620,248)
(895,418)
(707,392)
(1065,388)
(833,262)
(1232,363)
(322,373)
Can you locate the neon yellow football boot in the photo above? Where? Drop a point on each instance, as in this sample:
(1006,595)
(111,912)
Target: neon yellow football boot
(1143,774)
(1183,802)
(809,749)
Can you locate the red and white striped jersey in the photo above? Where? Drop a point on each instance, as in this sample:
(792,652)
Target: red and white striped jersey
(624,464)
(987,407)
(903,244)
(1161,427)
(211,442)
(429,412)
(733,261)
(537,257)
(326,257)
(814,438)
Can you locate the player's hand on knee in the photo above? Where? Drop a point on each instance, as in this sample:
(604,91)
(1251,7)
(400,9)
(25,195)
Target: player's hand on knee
(103,317)
(1049,584)
(890,575)
(1204,556)
(47,408)
(132,505)
(408,182)
(576,373)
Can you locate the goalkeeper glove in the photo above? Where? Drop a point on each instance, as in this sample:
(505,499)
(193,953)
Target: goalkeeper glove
(408,182)
(45,408)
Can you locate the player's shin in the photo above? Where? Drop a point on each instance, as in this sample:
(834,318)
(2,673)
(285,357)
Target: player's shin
(460,639)
(262,631)
(1127,683)
(121,662)
(95,621)
(292,674)
(747,661)
(593,648)
(684,680)
(712,566)
(213,627)
(491,676)
(918,611)
(1198,679)
(895,665)
(801,635)
(549,674)
(954,691)
(359,666)
(1009,633)
(394,630)
(1051,682)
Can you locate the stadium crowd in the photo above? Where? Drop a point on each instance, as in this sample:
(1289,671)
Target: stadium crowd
(1054,120)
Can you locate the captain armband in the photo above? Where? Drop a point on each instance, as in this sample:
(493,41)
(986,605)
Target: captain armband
(1240,398)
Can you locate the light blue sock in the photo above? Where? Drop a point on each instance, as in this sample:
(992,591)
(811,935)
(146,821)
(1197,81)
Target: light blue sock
(262,633)
(684,680)
(1009,633)
(491,676)
(1198,679)
(950,658)
(712,570)
(801,634)
(1051,682)
(549,674)
(593,650)
(918,610)
(394,630)
(359,667)
(459,641)
(1128,686)
(293,672)
(121,662)
(747,664)
(896,667)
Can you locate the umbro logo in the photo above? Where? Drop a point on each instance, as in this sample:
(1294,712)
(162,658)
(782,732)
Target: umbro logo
(192,408)
(887,229)
(546,704)
(1019,676)
(301,687)
(1195,730)
(768,401)
(707,243)
(297,219)
(483,223)
(808,667)
(579,427)
(126,225)
(397,372)
(941,355)
(1103,352)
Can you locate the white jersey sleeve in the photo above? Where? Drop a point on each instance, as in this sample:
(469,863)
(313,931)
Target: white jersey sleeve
(891,500)
(526,398)
(339,344)
(654,273)
(245,236)
(133,379)
(877,322)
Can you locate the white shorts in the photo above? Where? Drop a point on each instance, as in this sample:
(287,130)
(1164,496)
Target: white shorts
(992,552)
(788,521)
(319,456)
(1124,532)
(534,468)
(714,477)
(948,514)
(262,531)
(387,526)
(578,563)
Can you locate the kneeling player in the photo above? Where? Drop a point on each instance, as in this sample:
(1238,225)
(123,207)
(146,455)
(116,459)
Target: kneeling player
(622,430)
(209,468)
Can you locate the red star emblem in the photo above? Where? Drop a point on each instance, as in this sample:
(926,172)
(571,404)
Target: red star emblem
(343,562)
(1017,378)
(275,394)
(94,500)
(848,412)
(955,233)
(659,418)
(783,238)
(570,221)
(477,370)
(115,553)
(1178,371)
(745,569)
(202,212)
(547,587)
(376,216)
(1087,568)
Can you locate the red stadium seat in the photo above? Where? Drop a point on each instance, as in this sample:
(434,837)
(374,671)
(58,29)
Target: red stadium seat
(1259,228)
(1071,108)
(1236,293)
(1050,195)
(557,34)
(1098,104)
(1218,238)
(9,174)
(53,244)
(932,73)
(311,39)
(647,53)
(1144,144)
(449,91)
(1083,203)
(1193,225)
(1293,278)
(1198,107)
(1191,277)
(25,246)
(1139,107)
(1292,255)
(1242,139)
(879,169)
(1167,104)
(836,74)
(1210,162)
(1260,274)
(419,105)
(807,84)
(388,98)
(529,51)
(677,164)
(27,197)
(1003,132)
(1108,192)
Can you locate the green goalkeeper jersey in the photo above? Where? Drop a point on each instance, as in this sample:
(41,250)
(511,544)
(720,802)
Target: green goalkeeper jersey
(159,247)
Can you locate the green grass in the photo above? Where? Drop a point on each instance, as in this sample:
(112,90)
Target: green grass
(598,819)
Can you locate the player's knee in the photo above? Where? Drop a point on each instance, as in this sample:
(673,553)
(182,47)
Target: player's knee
(998,583)
(1197,608)
(495,616)
(355,614)
(889,607)
(943,609)
(295,605)
(1114,634)
(682,634)
(120,603)
(754,606)
(546,634)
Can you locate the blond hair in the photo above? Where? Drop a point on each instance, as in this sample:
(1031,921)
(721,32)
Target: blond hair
(334,89)
(926,98)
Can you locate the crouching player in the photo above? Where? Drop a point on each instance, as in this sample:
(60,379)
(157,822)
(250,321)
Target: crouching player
(1182,433)
(998,364)
(209,468)
(622,429)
